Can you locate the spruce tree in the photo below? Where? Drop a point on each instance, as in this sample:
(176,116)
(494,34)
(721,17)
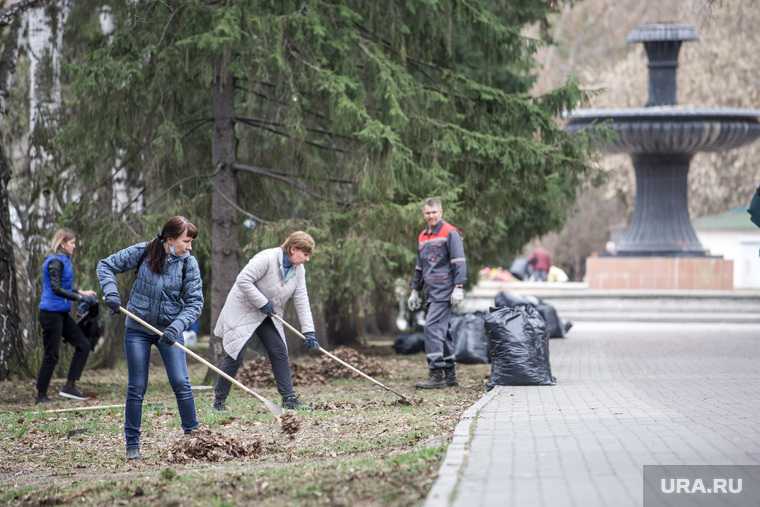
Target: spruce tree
(337,117)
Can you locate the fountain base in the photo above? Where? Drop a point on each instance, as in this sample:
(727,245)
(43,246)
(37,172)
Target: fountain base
(684,273)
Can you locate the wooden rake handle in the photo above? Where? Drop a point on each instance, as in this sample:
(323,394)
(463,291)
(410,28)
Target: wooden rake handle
(276,410)
(341,361)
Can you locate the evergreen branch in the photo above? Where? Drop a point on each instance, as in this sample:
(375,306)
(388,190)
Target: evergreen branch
(169,22)
(172,187)
(289,180)
(370,36)
(330,180)
(198,125)
(279,102)
(260,171)
(285,134)
(282,125)
(241,210)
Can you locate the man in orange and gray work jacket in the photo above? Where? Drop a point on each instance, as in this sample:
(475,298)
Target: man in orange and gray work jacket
(441,271)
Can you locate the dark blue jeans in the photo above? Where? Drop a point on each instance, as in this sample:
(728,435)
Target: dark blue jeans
(137,345)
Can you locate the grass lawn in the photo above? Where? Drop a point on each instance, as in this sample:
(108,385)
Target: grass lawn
(357,448)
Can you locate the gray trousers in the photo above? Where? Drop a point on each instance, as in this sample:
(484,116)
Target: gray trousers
(278,356)
(439,345)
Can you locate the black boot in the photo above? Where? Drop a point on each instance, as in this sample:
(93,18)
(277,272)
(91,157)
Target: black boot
(291,402)
(451,376)
(437,380)
(219,405)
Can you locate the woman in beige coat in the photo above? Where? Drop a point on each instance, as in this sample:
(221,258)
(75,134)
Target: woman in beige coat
(261,290)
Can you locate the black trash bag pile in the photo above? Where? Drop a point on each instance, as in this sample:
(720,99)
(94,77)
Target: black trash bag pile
(520,268)
(518,347)
(469,336)
(409,343)
(556,327)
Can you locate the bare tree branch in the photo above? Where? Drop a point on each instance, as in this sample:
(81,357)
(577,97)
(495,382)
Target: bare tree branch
(8,15)
(241,210)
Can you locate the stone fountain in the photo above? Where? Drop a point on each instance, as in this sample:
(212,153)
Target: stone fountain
(660,249)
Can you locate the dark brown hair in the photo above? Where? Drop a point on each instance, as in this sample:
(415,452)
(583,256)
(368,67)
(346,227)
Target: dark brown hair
(172,229)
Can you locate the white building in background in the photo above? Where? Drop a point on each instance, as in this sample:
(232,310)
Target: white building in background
(732,235)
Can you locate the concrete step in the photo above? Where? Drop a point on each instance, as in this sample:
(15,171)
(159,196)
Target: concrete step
(685,317)
(652,305)
(575,301)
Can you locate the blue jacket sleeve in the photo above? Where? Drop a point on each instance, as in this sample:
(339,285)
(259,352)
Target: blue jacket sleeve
(192,297)
(55,268)
(121,261)
(457,258)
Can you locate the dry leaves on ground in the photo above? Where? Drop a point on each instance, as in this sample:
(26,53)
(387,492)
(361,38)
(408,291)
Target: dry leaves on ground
(207,445)
(258,372)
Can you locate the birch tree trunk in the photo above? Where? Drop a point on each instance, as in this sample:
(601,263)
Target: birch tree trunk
(10,331)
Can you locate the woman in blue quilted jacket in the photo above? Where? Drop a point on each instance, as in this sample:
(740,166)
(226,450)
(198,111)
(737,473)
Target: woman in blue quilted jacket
(58,291)
(168,294)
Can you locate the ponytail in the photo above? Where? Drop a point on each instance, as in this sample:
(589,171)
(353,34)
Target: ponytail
(172,229)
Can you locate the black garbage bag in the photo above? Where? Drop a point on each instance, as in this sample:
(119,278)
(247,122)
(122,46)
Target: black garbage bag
(469,335)
(508,299)
(520,268)
(409,343)
(518,347)
(553,323)
(89,322)
(754,208)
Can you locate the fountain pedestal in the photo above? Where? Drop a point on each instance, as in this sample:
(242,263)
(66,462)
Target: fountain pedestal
(665,273)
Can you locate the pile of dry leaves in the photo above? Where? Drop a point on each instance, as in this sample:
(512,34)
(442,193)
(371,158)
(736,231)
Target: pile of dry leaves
(207,445)
(258,372)
(332,369)
(290,424)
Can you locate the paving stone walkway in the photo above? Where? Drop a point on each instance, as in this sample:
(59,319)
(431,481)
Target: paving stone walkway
(628,395)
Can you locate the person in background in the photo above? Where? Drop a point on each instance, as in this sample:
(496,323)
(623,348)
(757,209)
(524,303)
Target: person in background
(260,292)
(58,291)
(540,261)
(441,271)
(167,294)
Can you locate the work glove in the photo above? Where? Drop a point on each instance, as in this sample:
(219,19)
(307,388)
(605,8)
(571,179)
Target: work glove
(90,300)
(267,309)
(169,337)
(113,301)
(311,340)
(457,296)
(414,302)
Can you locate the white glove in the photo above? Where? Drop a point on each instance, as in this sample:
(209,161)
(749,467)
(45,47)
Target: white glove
(414,303)
(457,296)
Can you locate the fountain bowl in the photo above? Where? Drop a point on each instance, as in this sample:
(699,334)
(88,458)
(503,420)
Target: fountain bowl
(671,129)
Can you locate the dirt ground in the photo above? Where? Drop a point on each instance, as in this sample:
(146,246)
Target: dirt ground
(356,447)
